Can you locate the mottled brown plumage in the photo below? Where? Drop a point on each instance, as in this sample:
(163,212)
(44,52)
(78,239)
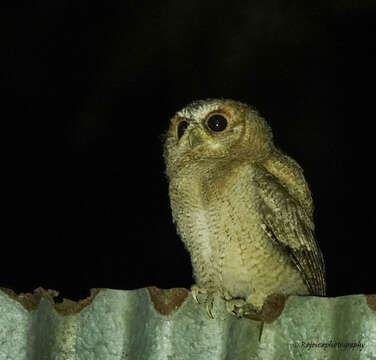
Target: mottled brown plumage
(241,206)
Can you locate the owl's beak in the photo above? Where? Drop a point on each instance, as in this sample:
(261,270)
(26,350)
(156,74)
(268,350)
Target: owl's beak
(196,137)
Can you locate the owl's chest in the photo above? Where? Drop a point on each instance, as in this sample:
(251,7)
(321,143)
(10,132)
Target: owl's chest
(217,220)
(214,201)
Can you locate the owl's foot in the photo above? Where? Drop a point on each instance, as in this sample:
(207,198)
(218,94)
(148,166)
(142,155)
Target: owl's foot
(241,308)
(253,313)
(235,307)
(196,291)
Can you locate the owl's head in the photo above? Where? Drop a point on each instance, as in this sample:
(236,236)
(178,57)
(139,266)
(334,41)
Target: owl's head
(218,129)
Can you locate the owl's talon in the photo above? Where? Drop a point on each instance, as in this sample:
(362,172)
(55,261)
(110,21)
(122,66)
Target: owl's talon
(194,295)
(208,301)
(209,307)
(195,291)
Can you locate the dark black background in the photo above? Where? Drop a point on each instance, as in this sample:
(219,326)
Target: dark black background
(89,88)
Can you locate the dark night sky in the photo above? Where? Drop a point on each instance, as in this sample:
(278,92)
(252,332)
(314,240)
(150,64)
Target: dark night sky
(88,90)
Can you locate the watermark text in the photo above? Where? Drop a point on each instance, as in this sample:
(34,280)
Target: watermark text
(329,345)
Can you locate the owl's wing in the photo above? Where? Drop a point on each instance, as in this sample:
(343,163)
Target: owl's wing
(291,228)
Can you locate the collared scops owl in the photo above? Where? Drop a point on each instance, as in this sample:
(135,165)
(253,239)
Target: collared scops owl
(241,206)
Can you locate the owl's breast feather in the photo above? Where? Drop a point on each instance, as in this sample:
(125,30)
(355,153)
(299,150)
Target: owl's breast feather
(215,219)
(218,219)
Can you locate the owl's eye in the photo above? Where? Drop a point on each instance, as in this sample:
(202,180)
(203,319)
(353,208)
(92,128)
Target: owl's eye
(217,122)
(181,128)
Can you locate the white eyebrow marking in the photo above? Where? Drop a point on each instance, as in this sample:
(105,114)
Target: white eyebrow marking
(198,110)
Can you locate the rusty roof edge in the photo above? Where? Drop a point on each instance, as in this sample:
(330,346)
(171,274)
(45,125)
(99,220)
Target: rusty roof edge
(30,301)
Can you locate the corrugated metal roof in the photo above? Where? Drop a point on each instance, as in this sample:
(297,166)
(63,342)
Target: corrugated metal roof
(167,324)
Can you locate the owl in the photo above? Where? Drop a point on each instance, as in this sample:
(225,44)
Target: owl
(241,206)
